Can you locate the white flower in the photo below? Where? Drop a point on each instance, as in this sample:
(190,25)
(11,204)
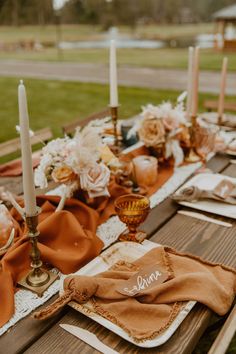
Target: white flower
(174,149)
(64,158)
(99,125)
(95,180)
(88,138)
(57,149)
(40,178)
(182,97)
(31,133)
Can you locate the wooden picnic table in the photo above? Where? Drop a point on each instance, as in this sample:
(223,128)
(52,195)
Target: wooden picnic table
(210,241)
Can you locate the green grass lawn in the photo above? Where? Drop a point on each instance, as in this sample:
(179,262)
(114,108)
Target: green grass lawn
(53,103)
(85,32)
(169,31)
(155,58)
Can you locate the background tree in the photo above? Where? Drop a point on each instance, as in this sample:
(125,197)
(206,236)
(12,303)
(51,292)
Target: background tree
(110,13)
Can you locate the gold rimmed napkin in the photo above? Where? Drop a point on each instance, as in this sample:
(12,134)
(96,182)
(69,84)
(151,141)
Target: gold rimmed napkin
(145,296)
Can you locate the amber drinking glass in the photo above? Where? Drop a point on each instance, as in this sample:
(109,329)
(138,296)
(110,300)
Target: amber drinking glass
(132,209)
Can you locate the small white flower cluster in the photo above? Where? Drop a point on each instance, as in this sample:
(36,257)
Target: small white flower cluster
(54,154)
(75,162)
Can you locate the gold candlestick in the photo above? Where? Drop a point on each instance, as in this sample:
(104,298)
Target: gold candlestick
(114,117)
(38,279)
(220,120)
(135,187)
(192,155)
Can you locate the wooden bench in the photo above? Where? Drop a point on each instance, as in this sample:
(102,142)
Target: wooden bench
(69,128)
(14,145)
(213,106)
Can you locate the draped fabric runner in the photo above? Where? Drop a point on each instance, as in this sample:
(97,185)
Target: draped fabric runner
(67,238)
(153,306)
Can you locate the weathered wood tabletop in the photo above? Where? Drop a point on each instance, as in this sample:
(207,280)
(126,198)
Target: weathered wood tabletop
(210,241)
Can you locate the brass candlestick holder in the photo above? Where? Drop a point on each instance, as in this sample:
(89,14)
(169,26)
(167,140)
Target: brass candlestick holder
(192,155)
(114,117)
(220,120)
(135,187)
(38,279)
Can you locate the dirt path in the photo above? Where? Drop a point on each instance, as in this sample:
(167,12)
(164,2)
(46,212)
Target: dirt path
(173,79)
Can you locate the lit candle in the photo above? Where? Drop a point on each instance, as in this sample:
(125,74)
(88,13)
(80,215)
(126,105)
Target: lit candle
(190,82)
(195,82)
(113,76)
(145,170)
(26,153)
(222,88)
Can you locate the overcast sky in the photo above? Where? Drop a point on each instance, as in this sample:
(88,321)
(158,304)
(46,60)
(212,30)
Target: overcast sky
(57,4)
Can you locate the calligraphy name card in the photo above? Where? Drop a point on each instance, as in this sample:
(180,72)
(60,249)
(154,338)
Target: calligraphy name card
(224,189)
(145,279)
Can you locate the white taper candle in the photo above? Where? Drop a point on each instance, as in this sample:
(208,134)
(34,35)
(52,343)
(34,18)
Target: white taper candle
(26,153)
(190,82)
(195,82)
(222,87)
(113,76)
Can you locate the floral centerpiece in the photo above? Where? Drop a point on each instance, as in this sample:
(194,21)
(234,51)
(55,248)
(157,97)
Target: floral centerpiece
(164,128)
(76,162)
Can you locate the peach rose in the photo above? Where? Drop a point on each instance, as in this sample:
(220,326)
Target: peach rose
(63,174)
(95,180)
(152,132)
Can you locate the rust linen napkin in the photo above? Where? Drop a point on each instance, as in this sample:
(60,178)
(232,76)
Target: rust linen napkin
(152,309)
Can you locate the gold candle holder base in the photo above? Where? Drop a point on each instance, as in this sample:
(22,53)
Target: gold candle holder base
(192,154)
(138,237)
(46,278)
(37,279)
(114,116)
(220,120)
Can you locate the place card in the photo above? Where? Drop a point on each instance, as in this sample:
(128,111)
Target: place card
(145,279)
(224,189)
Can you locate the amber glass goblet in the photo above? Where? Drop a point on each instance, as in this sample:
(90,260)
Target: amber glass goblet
(132,209)
(205,141)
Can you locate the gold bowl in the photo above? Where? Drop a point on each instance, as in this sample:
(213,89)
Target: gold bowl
(132,209)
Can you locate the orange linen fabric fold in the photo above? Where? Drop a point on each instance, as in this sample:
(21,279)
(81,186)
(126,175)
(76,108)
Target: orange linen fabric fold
(14,168)
(67,241)
(149,312)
